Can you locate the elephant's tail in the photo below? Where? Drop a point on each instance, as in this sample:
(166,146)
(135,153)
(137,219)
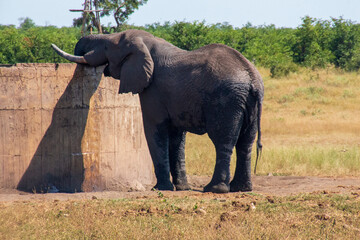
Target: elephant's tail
(258,142)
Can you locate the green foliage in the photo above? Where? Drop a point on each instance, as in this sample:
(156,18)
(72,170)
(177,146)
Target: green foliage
(314,44)
(345,44)
(33,44)
(319,43)
(121,10)
(311,46)
(26,23)
(270,48)
(189,36)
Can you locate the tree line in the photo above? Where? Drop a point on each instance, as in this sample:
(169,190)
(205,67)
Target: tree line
(315,43)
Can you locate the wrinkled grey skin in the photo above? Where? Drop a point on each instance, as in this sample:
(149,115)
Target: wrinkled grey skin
(212,90)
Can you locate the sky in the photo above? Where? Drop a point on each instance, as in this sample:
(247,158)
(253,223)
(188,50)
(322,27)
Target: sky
(281,13)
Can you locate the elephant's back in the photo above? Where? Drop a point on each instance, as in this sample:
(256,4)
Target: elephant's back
(217,62)
(195,82)
(229,66)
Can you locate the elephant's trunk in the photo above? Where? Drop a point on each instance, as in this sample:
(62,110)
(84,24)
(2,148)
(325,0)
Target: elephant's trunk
(71,58)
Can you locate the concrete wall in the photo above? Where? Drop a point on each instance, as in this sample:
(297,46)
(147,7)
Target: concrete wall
(65,127)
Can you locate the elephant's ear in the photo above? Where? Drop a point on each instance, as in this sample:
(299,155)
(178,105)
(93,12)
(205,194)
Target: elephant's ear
(132,64)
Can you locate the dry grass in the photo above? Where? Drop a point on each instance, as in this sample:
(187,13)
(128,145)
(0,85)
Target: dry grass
(238,216)
(310,125)
(312,102)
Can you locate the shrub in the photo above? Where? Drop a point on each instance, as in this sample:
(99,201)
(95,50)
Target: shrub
(314,44)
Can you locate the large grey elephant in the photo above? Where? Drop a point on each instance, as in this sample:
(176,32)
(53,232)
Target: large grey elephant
(213,90)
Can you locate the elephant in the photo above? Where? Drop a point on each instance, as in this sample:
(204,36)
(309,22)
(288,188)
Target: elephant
(213,90)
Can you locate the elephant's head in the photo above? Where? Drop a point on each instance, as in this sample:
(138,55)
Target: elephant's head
(126,55)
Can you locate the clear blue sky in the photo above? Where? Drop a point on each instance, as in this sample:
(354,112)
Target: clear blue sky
(282,13)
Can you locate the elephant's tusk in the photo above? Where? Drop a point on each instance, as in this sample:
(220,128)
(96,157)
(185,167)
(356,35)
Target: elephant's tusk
(71,58)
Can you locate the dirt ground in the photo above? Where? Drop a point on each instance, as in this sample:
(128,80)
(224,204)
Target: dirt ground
(266,185)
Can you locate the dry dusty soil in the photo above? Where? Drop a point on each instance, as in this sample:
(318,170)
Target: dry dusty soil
(266,185)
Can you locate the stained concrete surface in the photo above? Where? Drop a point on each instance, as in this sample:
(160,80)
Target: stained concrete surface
(64,127)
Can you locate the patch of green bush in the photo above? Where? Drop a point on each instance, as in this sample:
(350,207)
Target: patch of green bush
(315,43)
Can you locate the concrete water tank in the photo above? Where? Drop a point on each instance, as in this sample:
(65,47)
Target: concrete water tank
(65,127)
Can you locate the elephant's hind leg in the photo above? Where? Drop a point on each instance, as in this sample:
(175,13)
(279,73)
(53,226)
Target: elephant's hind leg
(242,176)
(177,159)
(221,177)
(224,135)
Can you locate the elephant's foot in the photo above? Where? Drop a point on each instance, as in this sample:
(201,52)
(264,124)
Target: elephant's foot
(181,184)
(167,186)
(217,188)
(182,187)
(240,187)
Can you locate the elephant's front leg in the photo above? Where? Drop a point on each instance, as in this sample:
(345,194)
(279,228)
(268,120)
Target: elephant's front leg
(157,137)
(177,159)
